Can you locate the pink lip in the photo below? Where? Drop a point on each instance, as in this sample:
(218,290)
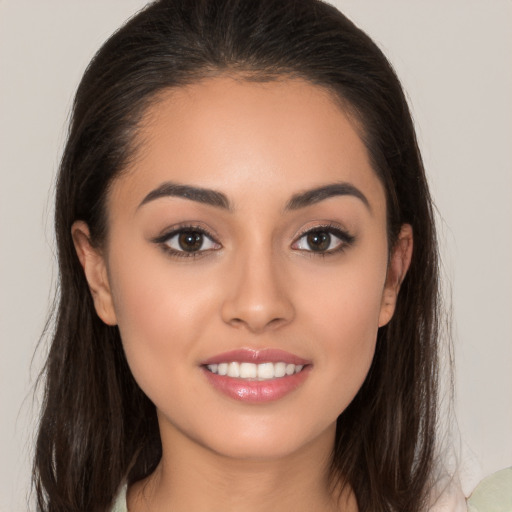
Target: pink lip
(254,391)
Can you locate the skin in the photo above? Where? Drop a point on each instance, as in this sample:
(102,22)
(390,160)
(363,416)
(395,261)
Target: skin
(258,284)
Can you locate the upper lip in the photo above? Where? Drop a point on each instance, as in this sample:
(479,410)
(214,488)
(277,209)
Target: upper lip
(246,355)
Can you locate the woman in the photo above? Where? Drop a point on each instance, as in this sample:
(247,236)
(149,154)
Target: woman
(249,295)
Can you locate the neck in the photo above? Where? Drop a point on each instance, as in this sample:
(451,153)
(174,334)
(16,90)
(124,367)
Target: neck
(190,477)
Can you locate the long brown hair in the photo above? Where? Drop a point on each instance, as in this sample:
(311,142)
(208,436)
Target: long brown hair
(97,427)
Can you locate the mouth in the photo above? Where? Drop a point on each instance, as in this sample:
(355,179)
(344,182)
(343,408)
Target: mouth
(256,376)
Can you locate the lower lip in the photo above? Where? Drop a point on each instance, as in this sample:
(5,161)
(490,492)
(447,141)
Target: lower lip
(257,391)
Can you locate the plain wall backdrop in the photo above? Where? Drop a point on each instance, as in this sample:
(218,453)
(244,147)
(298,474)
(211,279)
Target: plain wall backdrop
(455,61)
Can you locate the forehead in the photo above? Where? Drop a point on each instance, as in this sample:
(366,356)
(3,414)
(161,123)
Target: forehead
(272,139)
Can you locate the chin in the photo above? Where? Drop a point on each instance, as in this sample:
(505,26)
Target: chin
(267,442)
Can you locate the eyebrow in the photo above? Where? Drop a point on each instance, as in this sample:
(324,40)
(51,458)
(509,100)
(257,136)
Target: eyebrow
(198,194)
(220,200)
(304,199)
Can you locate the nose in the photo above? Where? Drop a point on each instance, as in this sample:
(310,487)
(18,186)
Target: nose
(258,295)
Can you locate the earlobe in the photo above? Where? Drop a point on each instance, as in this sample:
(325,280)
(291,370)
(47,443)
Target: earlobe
(399,262)
(95,270)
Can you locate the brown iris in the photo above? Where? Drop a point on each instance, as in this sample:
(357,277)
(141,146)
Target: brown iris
(190,241)
(319,241)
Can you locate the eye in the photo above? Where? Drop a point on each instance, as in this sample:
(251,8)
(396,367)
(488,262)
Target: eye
(188,242)
(323,240)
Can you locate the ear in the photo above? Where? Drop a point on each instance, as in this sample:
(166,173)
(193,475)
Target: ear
(399,262)
(95,269)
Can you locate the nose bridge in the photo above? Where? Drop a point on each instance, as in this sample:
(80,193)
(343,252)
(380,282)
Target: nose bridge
(257,296)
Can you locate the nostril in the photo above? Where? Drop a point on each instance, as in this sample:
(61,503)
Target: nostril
(276,321)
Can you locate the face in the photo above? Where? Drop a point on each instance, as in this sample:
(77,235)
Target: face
(247,264)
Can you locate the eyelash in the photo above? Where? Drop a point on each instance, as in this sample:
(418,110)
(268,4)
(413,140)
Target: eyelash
(346,240)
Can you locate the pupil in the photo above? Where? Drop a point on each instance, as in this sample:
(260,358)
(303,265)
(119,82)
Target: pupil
(319,241)
(190,241)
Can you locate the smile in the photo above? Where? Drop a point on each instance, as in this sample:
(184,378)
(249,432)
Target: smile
(253,371)
(256,376)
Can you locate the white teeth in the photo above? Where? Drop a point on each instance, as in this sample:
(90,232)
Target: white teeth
(248,371)
(234,369)
(279,369)
(265,371)
(252,371)
(290,369)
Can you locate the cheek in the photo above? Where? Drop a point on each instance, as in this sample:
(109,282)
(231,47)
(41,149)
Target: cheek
(344,319)
(161,314)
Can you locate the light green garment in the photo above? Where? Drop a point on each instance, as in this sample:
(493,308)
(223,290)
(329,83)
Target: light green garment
(493,494)
(120,503)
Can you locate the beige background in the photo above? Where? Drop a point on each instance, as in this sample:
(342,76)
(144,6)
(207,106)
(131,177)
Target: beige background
(454,58)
